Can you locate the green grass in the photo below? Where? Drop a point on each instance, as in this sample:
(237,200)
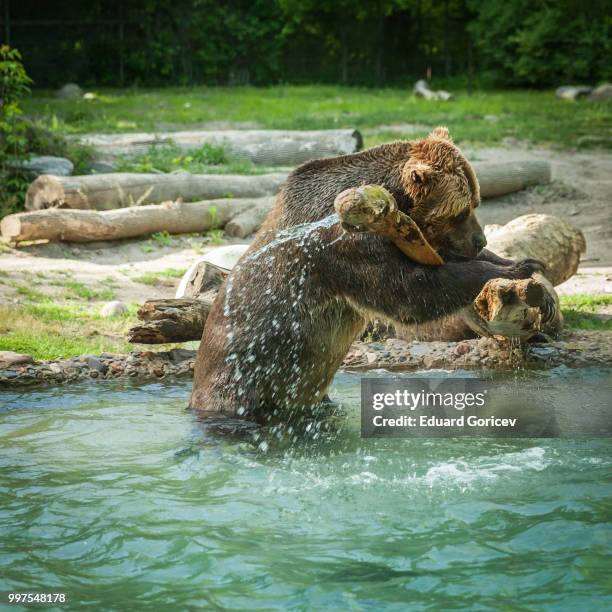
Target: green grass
(47,330)
(583,311)
(155,278)
(482,116)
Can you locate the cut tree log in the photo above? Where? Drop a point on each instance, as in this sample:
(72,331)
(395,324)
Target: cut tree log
(500,178)
(170,321)
(118,190)
(91,226)
(551,240)
(250,220)
(266,147)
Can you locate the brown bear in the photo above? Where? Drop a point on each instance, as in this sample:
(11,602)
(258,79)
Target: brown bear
(289,311)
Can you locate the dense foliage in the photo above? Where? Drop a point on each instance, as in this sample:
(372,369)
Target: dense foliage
(367,42)
(14,84)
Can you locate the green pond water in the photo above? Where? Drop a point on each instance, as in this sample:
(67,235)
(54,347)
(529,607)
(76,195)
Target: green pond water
(119,497)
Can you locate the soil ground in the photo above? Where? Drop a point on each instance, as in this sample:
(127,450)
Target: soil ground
(581,191)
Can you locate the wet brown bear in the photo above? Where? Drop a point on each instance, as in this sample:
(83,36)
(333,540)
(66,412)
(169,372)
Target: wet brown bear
(284,320)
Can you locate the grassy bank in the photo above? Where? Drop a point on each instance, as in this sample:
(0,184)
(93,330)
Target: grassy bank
(481,117)
(46,330)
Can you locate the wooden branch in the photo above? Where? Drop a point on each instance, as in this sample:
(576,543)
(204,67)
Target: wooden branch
(373,209)
(118,190)
(90,226)
(249,221)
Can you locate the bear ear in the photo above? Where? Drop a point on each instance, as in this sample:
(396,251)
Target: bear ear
(442,133)
(418,178)
(419,173)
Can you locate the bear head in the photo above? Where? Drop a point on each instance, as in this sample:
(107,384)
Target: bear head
(445,194)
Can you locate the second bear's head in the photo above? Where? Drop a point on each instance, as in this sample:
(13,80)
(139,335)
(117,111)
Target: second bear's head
(445,193)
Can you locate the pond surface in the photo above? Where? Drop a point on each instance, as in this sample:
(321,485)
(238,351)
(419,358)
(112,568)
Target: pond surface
(118,496)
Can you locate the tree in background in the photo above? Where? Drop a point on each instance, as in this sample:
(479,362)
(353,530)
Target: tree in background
(355,42)
(543,42)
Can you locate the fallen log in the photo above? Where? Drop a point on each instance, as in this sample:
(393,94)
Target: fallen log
(170,321)
(118,190)
(91,226)
(250,220)
(179,319)
(500,178)
(551,240)
(266,147)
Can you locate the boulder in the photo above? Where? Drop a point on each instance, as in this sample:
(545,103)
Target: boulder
(603,92)
(69,90)
(44,164)
(572,92)
(10,358)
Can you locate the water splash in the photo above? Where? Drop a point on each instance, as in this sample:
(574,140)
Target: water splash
(267,327)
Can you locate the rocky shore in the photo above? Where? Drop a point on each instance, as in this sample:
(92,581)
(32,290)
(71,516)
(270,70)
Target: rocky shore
(574,349)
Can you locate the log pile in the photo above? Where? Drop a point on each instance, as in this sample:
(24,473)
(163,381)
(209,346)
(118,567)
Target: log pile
(109,206)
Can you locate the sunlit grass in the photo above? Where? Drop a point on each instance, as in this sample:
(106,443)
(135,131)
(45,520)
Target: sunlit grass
(584,311)
(47,330)
(482,116)
(163,276)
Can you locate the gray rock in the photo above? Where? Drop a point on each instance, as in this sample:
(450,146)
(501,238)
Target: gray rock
(70,90)
(603,92)
(44,164)
(102,167)
(542,352)
(419,350)
(96,365)
(113,309)
(8,374)
(10,358)
(178,355)
(371,357)
(572,92)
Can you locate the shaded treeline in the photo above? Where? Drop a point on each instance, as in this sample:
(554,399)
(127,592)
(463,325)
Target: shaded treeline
(360,42)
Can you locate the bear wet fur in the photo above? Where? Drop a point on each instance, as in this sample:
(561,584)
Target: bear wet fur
(284,320)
